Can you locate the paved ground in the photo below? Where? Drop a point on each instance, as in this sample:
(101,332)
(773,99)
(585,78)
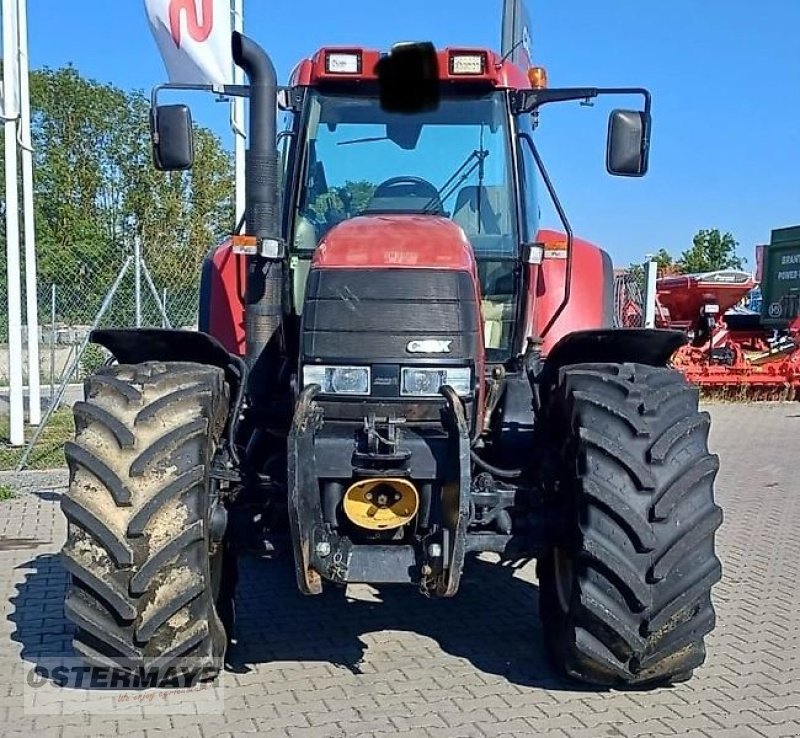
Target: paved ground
(392,663)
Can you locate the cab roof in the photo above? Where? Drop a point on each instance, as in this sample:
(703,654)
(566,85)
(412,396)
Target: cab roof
(467,65)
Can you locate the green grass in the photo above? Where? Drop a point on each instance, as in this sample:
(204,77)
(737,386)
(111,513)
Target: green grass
(6,493)
(49,451)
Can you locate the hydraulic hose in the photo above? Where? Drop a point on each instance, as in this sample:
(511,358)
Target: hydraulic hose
(496,470)
(457,406)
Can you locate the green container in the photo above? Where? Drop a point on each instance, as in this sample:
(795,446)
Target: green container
(780,285)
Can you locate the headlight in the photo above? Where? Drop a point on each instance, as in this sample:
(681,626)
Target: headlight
(426,382)
(339,380)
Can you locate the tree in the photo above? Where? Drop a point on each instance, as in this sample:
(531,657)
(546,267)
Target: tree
(663,258)
(331,203)
(711,251)
(96,190)
(666,265)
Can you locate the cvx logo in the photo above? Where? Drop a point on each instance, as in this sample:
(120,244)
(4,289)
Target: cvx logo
(429,346)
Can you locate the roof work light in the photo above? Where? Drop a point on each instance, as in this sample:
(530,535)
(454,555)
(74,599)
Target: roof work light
(343,62)
(468,64)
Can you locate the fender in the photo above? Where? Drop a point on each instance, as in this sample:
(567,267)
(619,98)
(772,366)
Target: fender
(612,345)
(136,345)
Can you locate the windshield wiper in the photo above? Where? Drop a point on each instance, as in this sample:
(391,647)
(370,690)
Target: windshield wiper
(476,160)
(363,140)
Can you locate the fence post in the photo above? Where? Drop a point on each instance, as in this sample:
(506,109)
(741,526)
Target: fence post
(651,275)
(75,363)
(137,279)
(52,341)
(153,291)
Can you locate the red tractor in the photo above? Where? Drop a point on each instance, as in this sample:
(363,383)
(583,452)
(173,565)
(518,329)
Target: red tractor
(396,369)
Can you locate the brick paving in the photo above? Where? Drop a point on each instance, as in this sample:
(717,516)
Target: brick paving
(391,663)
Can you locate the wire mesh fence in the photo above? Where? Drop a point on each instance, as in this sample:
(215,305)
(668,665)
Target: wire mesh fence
(150,287)
(629,298)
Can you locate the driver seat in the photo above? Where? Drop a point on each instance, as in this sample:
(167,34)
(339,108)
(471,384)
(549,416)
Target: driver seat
(465,213)
(412,196)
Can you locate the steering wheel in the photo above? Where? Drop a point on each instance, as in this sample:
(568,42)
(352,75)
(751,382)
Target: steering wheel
(408,186)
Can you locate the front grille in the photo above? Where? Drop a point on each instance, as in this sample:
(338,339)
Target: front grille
(368,315)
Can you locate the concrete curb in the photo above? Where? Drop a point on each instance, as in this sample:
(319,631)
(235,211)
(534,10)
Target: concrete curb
(32,482)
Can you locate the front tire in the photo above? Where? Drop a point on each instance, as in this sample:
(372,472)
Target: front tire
(625,600)
(141,562)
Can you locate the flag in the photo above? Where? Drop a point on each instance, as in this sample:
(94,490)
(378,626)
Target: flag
(516,43)
(194,37)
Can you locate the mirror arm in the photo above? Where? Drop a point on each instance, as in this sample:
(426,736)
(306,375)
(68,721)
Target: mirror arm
(529,101)
(224,90)
(221,90)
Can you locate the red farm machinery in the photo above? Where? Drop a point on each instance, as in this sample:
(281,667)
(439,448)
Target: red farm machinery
(734,352)
(396,369)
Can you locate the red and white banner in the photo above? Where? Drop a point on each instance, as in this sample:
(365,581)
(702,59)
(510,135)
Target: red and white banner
(194,37)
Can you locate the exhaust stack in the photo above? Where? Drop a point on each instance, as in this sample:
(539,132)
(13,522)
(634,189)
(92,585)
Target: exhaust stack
(264,296)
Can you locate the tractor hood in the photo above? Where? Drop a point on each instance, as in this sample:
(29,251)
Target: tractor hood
(399,241)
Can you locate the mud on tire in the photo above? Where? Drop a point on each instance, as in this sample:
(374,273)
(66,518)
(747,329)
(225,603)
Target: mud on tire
(626,599)
(141,593)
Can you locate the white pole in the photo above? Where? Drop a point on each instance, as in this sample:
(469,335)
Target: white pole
(237,118)
(31,291)
(650,294)
(10,114)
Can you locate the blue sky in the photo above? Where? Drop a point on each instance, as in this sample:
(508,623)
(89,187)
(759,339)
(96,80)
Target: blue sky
(724,76)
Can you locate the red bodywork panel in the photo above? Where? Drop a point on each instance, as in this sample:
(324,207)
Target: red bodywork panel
(222,296)
(590,297)
(384,241)
(497,73)
(423,242)
(404,242)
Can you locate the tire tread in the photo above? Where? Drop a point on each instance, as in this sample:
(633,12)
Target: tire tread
(641,480)
(137,548)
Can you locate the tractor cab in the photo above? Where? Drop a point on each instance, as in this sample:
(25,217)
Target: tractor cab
(348,157)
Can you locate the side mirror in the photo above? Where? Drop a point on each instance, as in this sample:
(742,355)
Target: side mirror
(172,137)
(628,148)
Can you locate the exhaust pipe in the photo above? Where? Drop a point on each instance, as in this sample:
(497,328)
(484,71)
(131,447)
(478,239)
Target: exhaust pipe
(264,295)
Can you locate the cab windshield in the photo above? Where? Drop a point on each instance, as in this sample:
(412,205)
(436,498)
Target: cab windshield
(452,162)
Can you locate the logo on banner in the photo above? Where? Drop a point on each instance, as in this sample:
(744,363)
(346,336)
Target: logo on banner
(199,32)
(194,38)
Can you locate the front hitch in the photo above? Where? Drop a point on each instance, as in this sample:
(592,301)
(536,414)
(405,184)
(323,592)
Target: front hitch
(305,510)
(435,563)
